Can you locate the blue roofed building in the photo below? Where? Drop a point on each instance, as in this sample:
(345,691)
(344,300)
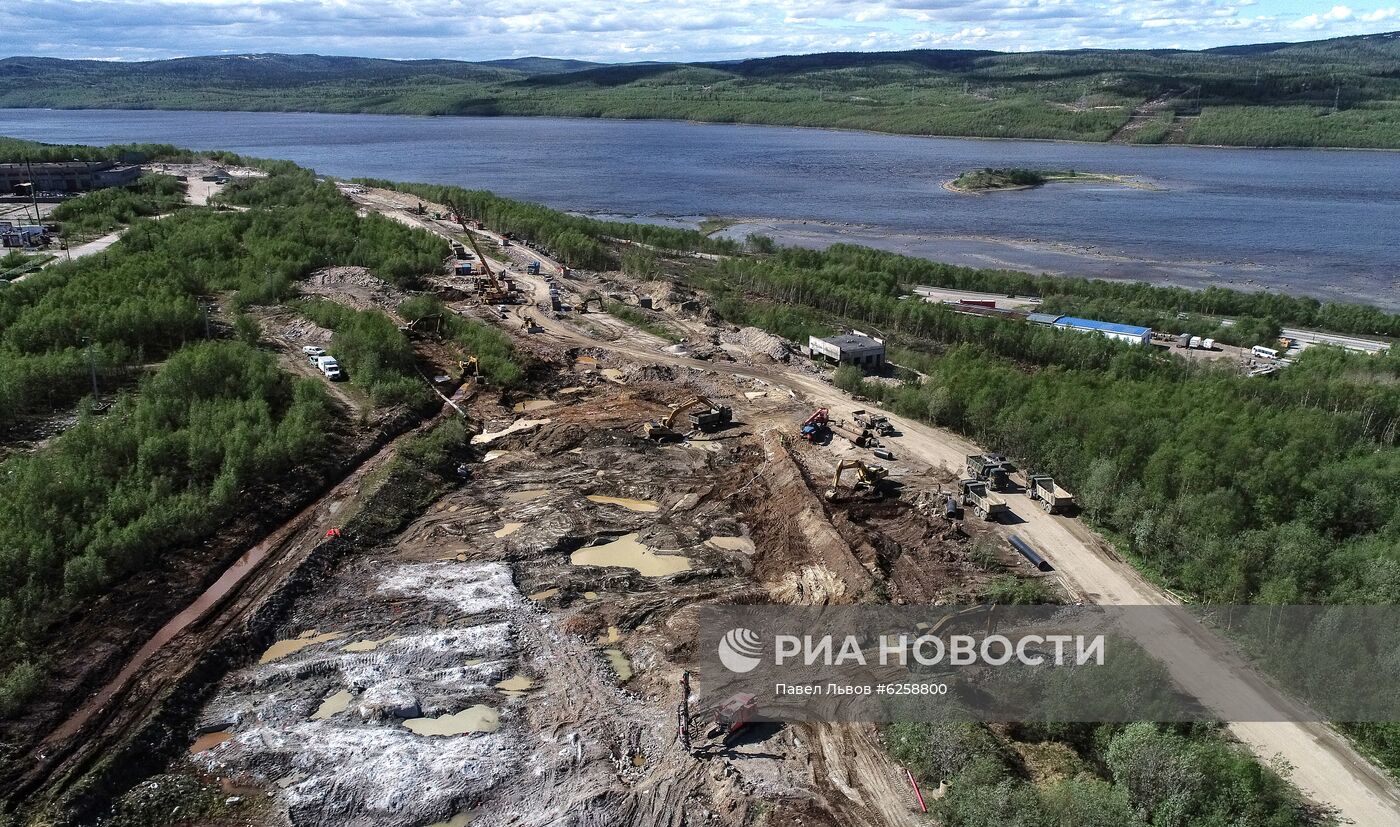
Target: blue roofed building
(1122,332)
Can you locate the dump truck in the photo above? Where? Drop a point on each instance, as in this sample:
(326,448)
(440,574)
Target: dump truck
(879,423)
(990,468)
(1052,498)
(982,500)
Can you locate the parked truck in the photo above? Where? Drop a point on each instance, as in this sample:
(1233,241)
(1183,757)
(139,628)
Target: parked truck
(993,469)
(1052,498)
(329,367)
(982,500)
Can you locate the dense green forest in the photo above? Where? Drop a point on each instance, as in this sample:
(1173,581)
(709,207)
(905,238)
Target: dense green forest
(142,299)
(162,468)
(104,210)
(197,425)
(1340,92)
(1105,775)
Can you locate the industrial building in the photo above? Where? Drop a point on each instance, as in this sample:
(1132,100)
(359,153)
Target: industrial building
(1131,334)
(854,348)
(66,176)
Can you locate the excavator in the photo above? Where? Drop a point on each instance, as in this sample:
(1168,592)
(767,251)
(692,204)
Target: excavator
(496,291)
(712,418)
(868,477)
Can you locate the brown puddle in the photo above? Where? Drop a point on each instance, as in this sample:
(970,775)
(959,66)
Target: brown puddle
(332,705)
(628,552)
(507,530)
(644,506)
(620,664)
(475,718)
(461,819)
(494,454)
(283,648)
(544,595)
(366,645)
(516,685)
(590,595)
(209,740)
(526,496)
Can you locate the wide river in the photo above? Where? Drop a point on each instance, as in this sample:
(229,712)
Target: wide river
(1326,223)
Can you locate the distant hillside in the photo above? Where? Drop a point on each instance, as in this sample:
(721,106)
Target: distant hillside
(1340,92)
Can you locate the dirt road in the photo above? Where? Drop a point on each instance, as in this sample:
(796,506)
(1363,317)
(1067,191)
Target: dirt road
(1324,765)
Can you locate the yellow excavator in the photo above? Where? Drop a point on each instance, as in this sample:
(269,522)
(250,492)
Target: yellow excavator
(712,418)
(867,477)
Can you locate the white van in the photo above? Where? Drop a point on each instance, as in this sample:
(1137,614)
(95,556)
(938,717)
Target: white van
(1264,352)
(329,366)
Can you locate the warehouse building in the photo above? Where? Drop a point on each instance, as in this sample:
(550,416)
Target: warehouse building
(65,177)
(854,348)
(1129,333)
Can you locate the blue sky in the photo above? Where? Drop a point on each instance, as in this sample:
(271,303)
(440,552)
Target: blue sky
(628,30)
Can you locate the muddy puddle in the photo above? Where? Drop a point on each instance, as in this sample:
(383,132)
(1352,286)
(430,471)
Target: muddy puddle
(366,645)
(533,405)
(743,544)
(461,819)
(527,496)
(332,705)
(620,664)
(614,374)
(544,595)
(643,506)
(209,740)
(507,530)
(628,552)
(283,648)
(516,686)
(475,718)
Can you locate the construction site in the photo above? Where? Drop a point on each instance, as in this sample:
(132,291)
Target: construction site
(523,651)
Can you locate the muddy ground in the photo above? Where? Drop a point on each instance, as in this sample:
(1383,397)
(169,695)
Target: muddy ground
(513,656)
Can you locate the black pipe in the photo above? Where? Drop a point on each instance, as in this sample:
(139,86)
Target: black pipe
(1030,554)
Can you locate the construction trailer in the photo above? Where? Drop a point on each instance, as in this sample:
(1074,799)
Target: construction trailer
(1052,498)
(984,502)
(990,468)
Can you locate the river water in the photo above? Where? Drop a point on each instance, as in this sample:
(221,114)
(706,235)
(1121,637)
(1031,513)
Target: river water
(1325,223)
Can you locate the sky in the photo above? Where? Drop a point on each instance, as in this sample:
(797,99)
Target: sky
(634,30)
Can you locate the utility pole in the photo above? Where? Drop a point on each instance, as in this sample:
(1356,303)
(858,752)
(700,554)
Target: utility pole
(33,196)
(92,371)
(205,305)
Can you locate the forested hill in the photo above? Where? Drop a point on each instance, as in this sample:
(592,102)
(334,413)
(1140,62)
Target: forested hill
(1340,92)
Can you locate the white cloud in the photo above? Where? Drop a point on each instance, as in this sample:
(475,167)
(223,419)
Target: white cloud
(654,29)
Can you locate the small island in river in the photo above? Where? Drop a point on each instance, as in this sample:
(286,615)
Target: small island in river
(991,179)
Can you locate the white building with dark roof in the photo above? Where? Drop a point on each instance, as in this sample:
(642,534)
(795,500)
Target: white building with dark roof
(854,348)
